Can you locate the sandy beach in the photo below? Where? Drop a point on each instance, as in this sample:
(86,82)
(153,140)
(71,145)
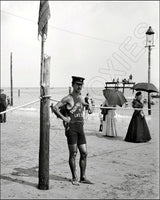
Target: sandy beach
(119,170)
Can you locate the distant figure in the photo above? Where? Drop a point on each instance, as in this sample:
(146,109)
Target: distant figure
(93,104)
(52,106)
(152,102)
(126,104)
(138,130)
(101,119)
(109,121)
(117,80)
(145,101)
(113,80)
(8,101)
(130,77)
(124,80)
(4,101)
(86,99)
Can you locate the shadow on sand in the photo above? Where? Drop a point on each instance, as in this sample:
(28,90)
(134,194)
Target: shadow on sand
(30,172)
(113,138)
(99,134)
(8,178)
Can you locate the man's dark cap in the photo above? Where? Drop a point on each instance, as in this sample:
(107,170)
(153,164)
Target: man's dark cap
(77,79)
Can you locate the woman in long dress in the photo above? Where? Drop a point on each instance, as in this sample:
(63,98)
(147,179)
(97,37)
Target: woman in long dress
(109,121)
(138,130)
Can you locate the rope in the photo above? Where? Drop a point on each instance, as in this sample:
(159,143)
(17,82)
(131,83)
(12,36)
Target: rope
(54,100)
(119,108)
(19,107)
(49,96)
(3,112)
(114,108)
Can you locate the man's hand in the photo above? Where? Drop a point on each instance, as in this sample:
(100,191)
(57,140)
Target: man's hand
(66,119)
(142,114)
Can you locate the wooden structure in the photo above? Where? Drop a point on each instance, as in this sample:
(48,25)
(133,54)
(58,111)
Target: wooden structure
(120,85)
(44,125)
(11,79)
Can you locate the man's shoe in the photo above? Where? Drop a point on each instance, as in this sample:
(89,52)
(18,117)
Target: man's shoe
(86,181)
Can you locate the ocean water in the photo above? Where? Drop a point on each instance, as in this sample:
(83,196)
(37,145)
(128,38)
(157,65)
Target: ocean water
(31,94)
(28,95)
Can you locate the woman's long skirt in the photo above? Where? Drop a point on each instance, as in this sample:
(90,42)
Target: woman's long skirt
(138,130)
(109,125)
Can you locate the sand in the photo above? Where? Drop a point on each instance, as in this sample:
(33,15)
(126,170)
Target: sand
(119,170)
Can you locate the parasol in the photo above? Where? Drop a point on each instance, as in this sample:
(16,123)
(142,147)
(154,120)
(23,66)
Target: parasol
(114,97)
(147,87)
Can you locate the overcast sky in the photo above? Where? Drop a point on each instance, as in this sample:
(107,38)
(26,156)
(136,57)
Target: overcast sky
(93,39)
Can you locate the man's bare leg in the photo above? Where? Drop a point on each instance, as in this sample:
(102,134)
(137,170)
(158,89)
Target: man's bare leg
(83,163)
(72,162)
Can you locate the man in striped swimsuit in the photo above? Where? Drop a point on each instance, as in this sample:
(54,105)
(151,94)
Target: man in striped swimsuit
(73,122)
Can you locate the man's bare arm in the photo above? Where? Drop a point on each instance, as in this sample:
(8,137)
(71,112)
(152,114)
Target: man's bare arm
(56,109)
(86,104)
(83,102)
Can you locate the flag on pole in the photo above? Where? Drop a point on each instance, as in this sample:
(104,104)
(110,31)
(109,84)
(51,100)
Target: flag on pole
(44,15)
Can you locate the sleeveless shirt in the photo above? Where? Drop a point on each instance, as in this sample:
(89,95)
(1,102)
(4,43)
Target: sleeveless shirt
(76,112)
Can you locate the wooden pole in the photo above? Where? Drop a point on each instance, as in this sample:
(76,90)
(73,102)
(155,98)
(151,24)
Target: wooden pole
(42,59)
(19,92)
(149,69)
(123,87)
(44,123)
(11,79)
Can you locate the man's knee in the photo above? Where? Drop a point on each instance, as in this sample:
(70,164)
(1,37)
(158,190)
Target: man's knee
(73,154)
(84,154)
